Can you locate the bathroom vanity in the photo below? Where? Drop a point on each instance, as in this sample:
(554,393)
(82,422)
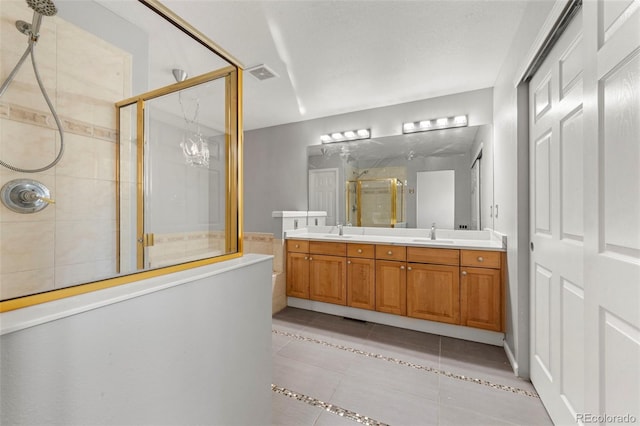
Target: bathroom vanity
(456,279)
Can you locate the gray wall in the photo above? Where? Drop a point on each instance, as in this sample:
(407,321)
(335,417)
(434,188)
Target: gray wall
(275,158)
(180,355)
(511,182)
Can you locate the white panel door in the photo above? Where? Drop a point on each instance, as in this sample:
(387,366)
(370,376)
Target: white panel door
(435,199)
(585,218)
(612,208)
(557,231)
(323,193)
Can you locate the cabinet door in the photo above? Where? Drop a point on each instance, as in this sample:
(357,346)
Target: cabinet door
(328,279)
(481,298)
(361,284)
(298,275)
(391,287)
(433,292)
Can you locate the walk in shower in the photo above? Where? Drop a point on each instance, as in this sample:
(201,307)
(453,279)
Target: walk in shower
(140,170)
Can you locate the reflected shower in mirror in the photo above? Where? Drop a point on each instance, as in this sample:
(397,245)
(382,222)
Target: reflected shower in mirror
(410,180)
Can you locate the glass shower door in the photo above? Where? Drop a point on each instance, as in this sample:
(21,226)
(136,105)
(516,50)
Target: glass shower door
(185,171)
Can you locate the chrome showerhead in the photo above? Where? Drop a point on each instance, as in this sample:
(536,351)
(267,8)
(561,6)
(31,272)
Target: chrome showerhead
(43,7)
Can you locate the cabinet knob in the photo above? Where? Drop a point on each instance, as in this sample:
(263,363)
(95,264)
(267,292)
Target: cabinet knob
(480,259)
(464,272)
(311,258)
(408,268)
(306,258)
(359,250)
(402,267)
(297,245)
(348,262)
(389,252)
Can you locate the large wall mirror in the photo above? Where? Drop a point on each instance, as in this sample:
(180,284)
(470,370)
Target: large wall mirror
(144,116)
(412,180)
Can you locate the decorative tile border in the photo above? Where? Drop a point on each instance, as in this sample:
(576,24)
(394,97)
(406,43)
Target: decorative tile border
(411,364)
(333,409)
(45,119)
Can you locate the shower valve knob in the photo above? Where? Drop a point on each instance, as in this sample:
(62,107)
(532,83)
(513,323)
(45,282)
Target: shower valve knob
(25,196)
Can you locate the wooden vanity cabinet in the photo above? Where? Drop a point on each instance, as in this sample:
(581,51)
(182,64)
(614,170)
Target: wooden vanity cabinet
(433,292)
(445,285)
(433,284)
(361,283)
(481,289)
(328,279)
(298,269)
(328,272)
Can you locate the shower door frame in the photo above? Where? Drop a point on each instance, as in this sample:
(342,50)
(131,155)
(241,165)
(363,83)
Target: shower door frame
(393,182)
(143,240)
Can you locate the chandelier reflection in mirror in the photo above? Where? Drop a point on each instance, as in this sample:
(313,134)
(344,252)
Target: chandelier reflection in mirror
(194,146)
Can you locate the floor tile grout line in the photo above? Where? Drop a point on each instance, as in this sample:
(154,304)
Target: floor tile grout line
(333,409)
(437,371)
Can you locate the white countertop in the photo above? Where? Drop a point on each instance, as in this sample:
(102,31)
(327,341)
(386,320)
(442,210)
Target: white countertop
(453,239)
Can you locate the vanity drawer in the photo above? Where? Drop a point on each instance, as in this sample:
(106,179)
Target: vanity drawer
(332,249)
(298,246)
(389,252)
(436,256)
(480,258)
(361,250)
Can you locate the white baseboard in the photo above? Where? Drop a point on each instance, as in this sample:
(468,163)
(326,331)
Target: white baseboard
(511,357)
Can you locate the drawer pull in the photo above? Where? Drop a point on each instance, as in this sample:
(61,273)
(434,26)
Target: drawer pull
(402,267)
(408,268)
(389,252)
(297,245)
(464,272)
(480,259)
(359,250)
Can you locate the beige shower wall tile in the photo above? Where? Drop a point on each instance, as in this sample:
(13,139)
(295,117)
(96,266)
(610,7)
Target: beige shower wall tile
(106,159)
(67,275)
(278,255)
(88,158)
(84,241)
(87,108)
(27,146)
(88,65)
(79,158)
(82,199)
(25,283)
(26,246)
(47,214)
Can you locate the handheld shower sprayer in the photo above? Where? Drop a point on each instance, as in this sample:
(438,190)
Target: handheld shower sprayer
(40,8)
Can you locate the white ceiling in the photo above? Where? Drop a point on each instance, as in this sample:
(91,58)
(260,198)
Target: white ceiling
(335,57)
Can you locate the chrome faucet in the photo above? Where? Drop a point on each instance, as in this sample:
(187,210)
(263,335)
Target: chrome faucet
(340,231)
(433,231)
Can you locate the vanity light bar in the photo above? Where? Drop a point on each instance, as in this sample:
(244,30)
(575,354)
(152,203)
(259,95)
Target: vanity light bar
(435,124)
(346,136)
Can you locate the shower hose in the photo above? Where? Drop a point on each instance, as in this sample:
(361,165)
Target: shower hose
(3,88)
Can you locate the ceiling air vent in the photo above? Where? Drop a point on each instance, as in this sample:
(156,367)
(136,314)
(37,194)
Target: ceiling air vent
(261,72)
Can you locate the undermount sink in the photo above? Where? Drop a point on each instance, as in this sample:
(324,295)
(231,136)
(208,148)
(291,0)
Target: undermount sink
(425,240)
(336,236)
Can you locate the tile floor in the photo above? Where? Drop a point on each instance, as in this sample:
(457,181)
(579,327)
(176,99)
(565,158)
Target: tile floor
(328,370)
